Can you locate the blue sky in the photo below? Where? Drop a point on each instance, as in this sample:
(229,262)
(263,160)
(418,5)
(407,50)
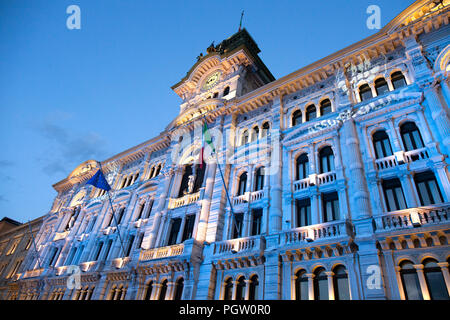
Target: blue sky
(67,96)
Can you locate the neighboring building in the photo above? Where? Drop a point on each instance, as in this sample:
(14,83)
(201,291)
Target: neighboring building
(16,242)
(337,174)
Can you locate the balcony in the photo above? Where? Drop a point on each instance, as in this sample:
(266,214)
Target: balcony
(249,197)
(323,231)
(314,179)
(163,252)
(88,266)
(119,263)
(410,218)
(61,235)
(183,201)
(401,157)
(33,273)
(240,245)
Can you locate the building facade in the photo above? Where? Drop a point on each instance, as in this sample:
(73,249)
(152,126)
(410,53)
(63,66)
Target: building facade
(330,183)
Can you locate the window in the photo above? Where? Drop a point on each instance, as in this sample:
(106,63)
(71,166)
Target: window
(435,280)
(174,229)
(301,286)
(311,113)
(330,206)
(52,256)
(158,170)
(259,179)
(411,136)
(140,209)
(228,289)
(256,222)
(254,134)
(265,129)
(199,176)
(296,118)
(152,170)
(393,194)
(428,189)
(253,288)
(326,159)
(365,93)
(302,167)
(188,227)
(216,94)
(381,144)
(71,255)
(98,250)
(226,91)
(108,248)
(14,269)
(242,185)
(410,281)
(149,209)
(179,285)
(148,292)
(162,294)
(340,281)
(185,180)
(320,284)
(129,245)
(240,289)
(303,212)
(120,215)
(237,225)
(381,86)
(325,107)
(398,80)
(244,138)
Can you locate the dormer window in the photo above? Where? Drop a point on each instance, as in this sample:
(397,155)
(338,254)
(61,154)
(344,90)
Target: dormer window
(226,91)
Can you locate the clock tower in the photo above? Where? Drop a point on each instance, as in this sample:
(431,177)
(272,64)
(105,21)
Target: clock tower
(228,70)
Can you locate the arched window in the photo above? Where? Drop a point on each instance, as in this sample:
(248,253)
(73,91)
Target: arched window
(244,138)
(435,280)
(311,112)
(398,80)
(242,186)
(259,179)
(381,144)
(381,86)
(325,107)
(340,279)
(184,181)
(320,284)
(254,288)
(265,129)
(240,289)
(410,281)
(326,157)
(411,136)
(158,170)
(199,176)
(148,291)
(296,117)
(302,167)
(254,134)
(301,286)
(365,93)
(162,294)
(179,285)
(228,289)
(226,91)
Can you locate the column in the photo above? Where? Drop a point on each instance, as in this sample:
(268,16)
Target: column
(170,290)
(422,281)
(400,283)
(234,289)
(181,231)
(409,190)
(330,275)
(445,273)
(310,285)
(156,290)
(293,291)
(315,206)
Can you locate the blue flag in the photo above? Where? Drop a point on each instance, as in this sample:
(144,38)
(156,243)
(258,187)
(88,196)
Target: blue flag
(98,180)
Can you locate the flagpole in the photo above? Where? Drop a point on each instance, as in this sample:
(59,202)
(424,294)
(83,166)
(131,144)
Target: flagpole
(223,179)
(113,214)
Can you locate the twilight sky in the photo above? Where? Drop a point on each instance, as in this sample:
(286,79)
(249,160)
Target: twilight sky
(67,96)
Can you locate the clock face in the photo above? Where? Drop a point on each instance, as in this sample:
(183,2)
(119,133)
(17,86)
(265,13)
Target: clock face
(212,80)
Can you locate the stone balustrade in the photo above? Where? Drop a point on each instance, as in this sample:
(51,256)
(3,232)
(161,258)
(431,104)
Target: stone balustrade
(183,201)
(239,245)
(315,232)
(163,252)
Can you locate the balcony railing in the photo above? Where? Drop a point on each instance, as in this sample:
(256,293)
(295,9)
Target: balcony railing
(386,163)
(33,273)
(301,184)
(249,197)
(239,245)
(183,201)
(410,218)
(321,231)
(418,154)
(326,177)
(61,235)
(401,157)
(164,252)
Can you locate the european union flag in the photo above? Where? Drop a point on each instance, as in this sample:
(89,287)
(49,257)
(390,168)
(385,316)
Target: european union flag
(98,180)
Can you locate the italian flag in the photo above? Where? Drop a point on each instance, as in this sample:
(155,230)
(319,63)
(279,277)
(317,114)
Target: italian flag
(206,138)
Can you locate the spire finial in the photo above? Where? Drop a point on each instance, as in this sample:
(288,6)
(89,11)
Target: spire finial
(240,23)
